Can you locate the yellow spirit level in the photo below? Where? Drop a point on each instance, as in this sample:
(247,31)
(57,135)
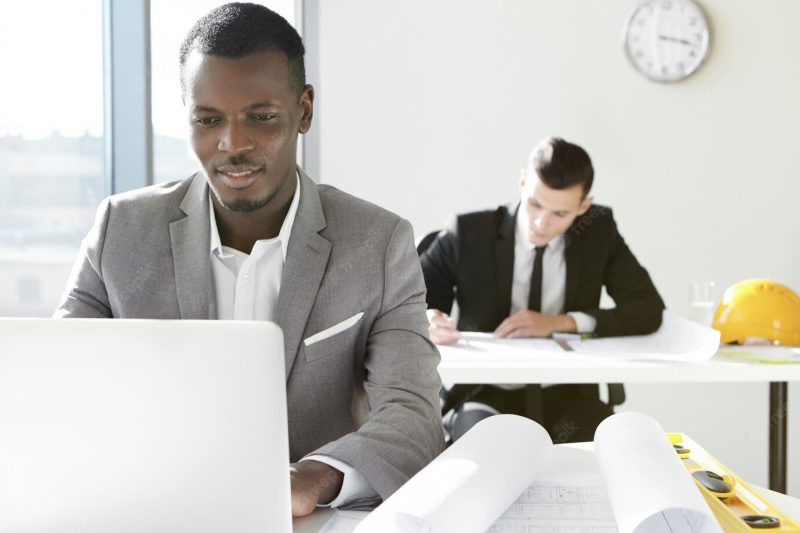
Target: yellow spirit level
(737,506)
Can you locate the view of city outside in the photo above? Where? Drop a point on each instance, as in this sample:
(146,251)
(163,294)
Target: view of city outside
(170,21)
(51,134)
(51,146)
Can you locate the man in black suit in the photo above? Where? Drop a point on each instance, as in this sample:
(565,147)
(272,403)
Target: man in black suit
(535,268)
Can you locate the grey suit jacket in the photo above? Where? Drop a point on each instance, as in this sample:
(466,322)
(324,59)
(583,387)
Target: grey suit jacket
(147,256)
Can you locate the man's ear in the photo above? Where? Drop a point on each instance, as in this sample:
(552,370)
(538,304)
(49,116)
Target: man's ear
(306,108)
(585,205)
(522,179)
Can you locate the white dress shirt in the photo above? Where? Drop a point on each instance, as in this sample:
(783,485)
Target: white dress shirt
(246,287)
(554,276)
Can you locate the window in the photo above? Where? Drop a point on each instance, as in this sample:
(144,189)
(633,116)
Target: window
(169,24)
(51,146)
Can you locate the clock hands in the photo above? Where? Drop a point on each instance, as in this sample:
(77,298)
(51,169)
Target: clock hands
(676,40)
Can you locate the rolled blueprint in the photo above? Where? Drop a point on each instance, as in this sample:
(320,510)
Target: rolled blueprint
(647,485)
(471,483)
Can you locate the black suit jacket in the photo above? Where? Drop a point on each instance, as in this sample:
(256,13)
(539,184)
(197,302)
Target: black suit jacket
(473,262)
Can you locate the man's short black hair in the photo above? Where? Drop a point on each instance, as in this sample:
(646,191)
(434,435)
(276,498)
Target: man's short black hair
(561,165)
(239,29)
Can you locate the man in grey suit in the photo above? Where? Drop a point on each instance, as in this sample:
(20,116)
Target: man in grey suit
(252,237)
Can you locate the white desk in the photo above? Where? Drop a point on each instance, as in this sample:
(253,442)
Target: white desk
(577,457)
(463,366)
(313,522)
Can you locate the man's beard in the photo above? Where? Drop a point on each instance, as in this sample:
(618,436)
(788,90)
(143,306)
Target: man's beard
(248,206)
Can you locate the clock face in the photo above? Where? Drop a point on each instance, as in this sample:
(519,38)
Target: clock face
(667,40)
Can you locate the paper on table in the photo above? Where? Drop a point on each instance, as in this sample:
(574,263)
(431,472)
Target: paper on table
(483,342)
(762,354)
(677,339)
(478,346)
(647,485)
(575,501)
(470,476)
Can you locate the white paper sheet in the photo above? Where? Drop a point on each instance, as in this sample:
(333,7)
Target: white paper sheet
(677,339)
(761,354)
(647,485)
(471,483)
(560,503)
(479,346)
(484,341)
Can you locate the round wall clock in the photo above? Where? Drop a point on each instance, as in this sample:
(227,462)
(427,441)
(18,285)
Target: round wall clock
(667,40)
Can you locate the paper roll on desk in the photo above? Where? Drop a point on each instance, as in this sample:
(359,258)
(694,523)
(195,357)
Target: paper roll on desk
(471,483)
(469,487)
(646,482)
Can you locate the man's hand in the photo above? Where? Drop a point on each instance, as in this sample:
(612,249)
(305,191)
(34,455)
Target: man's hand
(442,328)
(526,323)
(312,483)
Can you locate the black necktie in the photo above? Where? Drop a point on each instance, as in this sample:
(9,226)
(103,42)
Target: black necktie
(535,296)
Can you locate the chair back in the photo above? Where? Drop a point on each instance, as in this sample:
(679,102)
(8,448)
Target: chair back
(424,242)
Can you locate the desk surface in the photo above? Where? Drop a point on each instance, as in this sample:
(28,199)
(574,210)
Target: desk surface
(312,523)
(569,457)
(462,366)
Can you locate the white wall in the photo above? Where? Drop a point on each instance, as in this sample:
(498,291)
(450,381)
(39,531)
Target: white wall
(431,107)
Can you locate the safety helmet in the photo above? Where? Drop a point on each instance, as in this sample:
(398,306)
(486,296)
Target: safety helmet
(759,308)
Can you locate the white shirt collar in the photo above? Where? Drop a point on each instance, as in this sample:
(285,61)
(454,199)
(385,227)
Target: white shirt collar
(521,234)
(283,234)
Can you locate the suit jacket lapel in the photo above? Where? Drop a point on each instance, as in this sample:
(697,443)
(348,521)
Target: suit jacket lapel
(572,256)
(190,249)
(504,261)
(303,270)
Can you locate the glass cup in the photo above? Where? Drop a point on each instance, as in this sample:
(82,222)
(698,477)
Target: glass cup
(701,302)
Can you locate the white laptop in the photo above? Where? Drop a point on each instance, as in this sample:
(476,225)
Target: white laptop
(142,426)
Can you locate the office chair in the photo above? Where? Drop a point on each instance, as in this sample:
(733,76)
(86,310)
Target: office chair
(424,242)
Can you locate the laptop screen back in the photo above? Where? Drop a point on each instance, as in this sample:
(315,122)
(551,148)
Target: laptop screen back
(142,425)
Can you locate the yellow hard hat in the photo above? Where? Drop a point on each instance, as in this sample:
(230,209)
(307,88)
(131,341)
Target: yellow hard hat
(759,308)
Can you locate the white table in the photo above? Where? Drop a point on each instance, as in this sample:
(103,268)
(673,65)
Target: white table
(313,522)
(463,366)
(471,368)
(577,457)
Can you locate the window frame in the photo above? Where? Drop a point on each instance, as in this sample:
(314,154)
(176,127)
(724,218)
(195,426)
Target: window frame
(127,101)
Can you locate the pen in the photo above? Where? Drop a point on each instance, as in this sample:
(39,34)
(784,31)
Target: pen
(571,336)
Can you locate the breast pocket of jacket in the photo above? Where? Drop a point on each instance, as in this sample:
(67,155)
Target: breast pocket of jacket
(333,340)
